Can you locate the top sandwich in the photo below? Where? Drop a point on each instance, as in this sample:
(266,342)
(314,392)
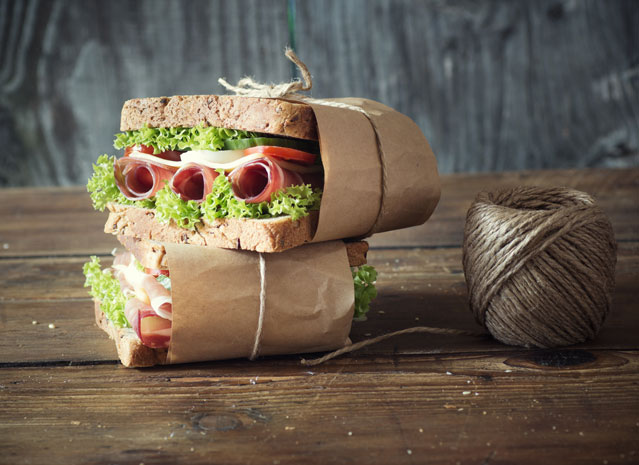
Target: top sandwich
(227,171)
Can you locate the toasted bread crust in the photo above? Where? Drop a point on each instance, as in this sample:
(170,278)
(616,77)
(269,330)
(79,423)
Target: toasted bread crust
(271,116)
(152,254)
(131,351)
(265,235)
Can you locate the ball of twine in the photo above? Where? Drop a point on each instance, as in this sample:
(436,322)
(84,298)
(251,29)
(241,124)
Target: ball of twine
(539,265)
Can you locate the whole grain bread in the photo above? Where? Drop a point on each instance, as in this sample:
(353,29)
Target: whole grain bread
(261,235)
(152,254)
(271,116)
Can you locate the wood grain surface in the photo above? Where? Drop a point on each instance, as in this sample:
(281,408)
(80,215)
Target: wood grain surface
(494,84)
(64,397)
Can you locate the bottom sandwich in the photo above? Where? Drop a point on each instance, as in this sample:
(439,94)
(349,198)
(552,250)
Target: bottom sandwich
(201,303)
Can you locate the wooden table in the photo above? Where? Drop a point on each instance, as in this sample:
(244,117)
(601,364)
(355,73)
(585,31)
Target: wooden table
(64,398)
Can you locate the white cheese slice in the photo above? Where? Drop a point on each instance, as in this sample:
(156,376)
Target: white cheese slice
(196,156)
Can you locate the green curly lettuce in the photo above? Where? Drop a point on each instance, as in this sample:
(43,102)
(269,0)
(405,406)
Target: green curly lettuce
(295,201)
(106,288)
(196,138)
(165,281)
(364,279)
(169,206)
(221,203)
(103,189)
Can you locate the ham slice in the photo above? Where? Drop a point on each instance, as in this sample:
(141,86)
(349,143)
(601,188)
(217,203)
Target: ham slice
(150,309)
(153,331)
(144,286)
(256,180)
(140,179)
(193,182)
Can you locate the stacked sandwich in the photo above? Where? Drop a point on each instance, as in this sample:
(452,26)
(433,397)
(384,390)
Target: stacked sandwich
(234,243)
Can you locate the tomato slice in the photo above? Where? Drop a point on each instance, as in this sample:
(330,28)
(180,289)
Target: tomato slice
(138,148)
(172,155)
(284,153)
(156,272)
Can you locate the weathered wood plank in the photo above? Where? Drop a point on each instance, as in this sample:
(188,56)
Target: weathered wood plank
(44,221)
(416,287)
(63,81)
(616,191)
(496,408)
(494,85)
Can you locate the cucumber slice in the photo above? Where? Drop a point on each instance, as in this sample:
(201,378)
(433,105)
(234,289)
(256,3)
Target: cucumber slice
(241,144)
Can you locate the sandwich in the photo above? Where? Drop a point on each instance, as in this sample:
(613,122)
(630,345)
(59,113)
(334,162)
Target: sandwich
(133,301)
(211,171)
(222,171)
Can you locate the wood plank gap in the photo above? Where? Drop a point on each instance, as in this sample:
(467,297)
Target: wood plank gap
(58,363)
(362,359)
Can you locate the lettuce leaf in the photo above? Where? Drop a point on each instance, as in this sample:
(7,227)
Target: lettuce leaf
(165,281)
(169,206)
(364,279)
(106,288)
(103,189)
(221,203)
(197,138)
(295,201)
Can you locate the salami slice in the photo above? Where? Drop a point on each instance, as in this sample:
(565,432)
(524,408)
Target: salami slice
(153,331)
(256,180)
(193,182)
(140,179)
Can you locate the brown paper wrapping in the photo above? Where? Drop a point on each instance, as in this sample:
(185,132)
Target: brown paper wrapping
(216,301)
(380,172)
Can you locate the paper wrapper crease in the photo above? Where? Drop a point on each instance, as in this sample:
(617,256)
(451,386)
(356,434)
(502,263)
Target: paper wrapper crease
(380,172)
(309,301)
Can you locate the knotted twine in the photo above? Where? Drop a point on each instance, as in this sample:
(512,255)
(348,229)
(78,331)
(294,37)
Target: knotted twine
(249,88)
(539,263)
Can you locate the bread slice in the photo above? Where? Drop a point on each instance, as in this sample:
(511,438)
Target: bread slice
(263,235)
(271,116)
(152,254)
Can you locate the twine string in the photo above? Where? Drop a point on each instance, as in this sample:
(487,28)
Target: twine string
(383,337)
(260,320)
(539,264)
(250,88)
(290,90)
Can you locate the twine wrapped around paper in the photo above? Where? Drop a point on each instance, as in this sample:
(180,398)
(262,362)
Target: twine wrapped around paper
(290,90)
(399,185)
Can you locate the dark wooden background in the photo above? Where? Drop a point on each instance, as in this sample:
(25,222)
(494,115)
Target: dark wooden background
(494,85)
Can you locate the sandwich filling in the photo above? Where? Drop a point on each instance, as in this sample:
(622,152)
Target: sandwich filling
(190,174)
(132,296)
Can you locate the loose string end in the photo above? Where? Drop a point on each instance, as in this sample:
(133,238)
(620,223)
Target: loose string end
(375,340)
